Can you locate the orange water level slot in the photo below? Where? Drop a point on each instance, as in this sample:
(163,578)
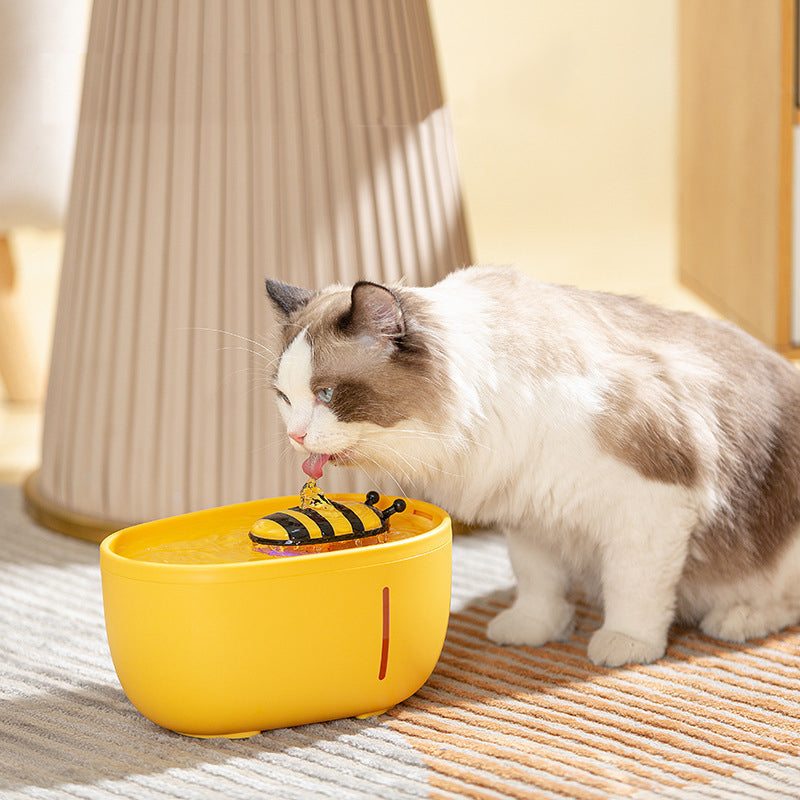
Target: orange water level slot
(385,642)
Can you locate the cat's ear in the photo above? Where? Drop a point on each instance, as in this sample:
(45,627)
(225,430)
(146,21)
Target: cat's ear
(286,298)
(375,311)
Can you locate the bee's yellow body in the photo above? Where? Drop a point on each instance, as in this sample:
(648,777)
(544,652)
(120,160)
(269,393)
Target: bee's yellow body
(319,524)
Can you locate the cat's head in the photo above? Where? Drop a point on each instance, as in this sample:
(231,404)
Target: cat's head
(358,365)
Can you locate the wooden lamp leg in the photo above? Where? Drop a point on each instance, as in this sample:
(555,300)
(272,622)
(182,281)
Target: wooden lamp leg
(20,366)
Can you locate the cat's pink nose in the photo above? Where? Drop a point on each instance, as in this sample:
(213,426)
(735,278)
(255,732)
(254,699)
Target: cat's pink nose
(298,437)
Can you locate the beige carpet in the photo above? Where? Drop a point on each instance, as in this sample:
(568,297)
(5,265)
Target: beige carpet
(709,721)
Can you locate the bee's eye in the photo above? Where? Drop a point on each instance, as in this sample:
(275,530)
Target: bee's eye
(282,396)
(324,395)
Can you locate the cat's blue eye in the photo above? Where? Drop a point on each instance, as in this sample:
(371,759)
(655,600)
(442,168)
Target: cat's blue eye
(325,395)
(282,396)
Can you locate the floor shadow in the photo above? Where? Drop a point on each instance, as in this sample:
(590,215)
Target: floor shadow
(91,733)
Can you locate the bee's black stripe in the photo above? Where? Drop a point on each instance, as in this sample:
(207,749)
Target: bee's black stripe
(294,527)
(324,526)
(355,521)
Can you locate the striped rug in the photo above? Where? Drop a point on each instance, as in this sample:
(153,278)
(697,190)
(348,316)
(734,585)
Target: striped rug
(708,721)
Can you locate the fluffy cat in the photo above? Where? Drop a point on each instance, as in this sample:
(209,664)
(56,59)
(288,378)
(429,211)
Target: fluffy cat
(653,455)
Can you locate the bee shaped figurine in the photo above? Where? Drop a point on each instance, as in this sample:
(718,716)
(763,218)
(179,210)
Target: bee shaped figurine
(319,525)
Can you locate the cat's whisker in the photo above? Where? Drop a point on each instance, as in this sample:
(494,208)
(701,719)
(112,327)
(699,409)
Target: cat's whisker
(405,476)
(371,477)
(236,335)
(384,471)
(256,385)
(427,465)
(394,453)
(427,433)
(360,452)
(267,446)
(376,439)
(253,376)
(442,436)
(270,361)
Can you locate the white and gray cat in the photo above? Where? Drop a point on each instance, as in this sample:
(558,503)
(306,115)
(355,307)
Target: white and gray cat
(653,455)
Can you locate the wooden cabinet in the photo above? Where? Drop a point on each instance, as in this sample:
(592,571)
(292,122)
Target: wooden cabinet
(737,114)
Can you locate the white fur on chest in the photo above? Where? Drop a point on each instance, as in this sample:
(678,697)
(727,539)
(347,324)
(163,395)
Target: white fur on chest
(536,463)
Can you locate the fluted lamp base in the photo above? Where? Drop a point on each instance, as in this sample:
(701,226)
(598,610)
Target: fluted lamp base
(220,144)
(57,518)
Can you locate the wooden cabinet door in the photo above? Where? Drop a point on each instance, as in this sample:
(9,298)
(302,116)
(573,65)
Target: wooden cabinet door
(735,111)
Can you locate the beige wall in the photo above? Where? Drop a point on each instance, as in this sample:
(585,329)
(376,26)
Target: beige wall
(564,114)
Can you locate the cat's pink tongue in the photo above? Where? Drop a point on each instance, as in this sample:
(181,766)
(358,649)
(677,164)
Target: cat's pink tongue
(313,465)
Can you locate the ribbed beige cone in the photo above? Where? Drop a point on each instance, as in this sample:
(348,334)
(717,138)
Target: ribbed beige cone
(221,143)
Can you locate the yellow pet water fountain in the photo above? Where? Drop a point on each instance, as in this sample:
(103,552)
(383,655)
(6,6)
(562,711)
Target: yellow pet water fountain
(277,612)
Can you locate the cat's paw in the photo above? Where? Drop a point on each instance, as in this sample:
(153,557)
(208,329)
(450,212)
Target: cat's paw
(733,624)
(519,626)
(741,622)
(609,648)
